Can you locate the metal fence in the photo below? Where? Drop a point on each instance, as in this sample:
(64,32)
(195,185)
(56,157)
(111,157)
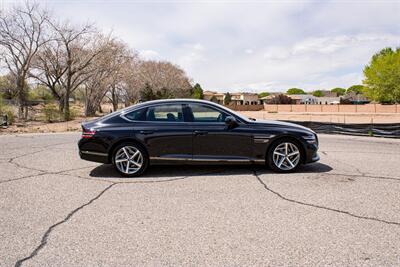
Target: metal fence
(382,130)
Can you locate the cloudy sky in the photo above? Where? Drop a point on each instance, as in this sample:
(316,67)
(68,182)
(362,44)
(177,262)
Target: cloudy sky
(251,45)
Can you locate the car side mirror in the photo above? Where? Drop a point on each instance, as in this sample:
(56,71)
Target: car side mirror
(230,122)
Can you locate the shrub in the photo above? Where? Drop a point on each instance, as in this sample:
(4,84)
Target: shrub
(6,110)
(40,93)
(74,112)
(51,112)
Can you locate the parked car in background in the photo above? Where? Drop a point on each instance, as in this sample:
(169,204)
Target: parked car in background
(187,131)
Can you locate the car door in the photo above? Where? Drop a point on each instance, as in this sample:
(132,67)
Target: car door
(164,132)
(213,140)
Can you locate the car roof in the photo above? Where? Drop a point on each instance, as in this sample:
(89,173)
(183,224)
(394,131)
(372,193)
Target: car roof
(177,100)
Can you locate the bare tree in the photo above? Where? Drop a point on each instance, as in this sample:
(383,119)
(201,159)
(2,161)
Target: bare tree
(122,64)
(97,84)
(64,64)
(48,69)
(165,79)
(110,70)
(22,33)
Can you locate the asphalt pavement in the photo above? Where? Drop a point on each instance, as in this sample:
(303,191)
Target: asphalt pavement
(58,210)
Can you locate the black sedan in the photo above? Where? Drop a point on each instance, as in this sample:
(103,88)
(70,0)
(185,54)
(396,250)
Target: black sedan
(187,131)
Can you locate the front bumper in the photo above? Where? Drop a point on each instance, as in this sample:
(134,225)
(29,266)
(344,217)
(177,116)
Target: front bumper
(311,153)
(314,158)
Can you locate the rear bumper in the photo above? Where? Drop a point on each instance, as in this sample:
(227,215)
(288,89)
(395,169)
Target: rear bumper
(94,156)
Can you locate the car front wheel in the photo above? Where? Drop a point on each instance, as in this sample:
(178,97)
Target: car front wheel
(284,156)
(130,160)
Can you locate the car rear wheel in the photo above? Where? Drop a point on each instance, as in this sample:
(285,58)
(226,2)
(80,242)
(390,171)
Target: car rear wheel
(130,160)
(285,155)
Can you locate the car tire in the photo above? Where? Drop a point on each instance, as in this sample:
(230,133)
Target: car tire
(285,155)
(130,159)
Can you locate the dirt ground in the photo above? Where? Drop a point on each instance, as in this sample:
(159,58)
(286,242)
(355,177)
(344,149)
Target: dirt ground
(45,127)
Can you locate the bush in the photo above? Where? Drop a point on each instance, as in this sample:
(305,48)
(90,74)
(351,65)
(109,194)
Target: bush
(74,112)
(51,112)
(40,93)
(6,110)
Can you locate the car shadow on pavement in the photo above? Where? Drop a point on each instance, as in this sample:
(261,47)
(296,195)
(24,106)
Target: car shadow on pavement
(167,171)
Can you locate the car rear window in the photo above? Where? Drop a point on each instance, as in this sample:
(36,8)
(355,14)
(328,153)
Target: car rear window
(137,115)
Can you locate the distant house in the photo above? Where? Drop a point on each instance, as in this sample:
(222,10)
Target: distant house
(277,98)
(303,99)
(214,96)
(353,98)
(328,100)
(236,98)
(244,99)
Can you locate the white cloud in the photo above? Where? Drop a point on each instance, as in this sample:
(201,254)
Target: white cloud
(198,47)
(249,51)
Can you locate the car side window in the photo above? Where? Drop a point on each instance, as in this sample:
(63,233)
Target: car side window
(203,113)
(164,113)
(137,115)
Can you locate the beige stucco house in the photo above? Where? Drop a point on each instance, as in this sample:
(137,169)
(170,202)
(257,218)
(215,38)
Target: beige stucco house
(236,98)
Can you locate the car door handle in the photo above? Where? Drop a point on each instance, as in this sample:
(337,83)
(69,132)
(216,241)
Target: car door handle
(146,132)
(200,132)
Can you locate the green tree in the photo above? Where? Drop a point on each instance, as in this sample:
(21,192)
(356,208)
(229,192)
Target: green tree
(214,99)
(197,92)
(40,92)
(382,76)
(164,93)
(318,93)
(227,99)
(357,89)
(8,86)
(339,91)
(146,93)
(295,91)
(263,94)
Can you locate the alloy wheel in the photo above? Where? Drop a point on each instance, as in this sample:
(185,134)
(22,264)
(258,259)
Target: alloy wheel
(128,160)
(286,156)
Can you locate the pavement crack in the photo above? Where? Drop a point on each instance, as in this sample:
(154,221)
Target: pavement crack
(142,181)
(21,178)
(320,206)
(41,173)
(46,235)
(44,148)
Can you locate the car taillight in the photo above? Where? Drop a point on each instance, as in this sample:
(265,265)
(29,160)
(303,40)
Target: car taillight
(88,133)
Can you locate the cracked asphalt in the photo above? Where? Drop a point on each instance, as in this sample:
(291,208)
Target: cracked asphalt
(58,210)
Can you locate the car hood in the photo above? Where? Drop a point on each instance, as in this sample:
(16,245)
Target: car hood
(282,124)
